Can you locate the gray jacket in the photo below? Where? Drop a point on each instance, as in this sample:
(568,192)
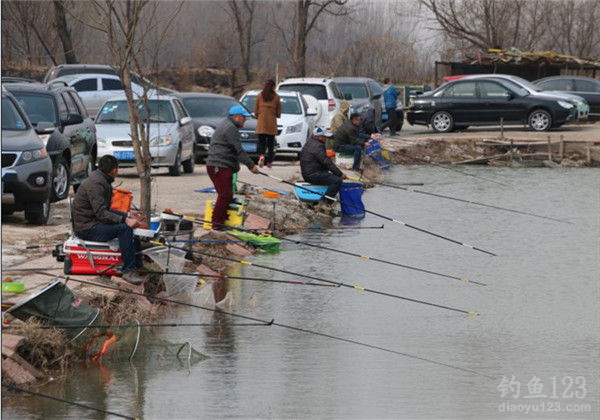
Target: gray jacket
(313,159)
(225,150)
(92,203)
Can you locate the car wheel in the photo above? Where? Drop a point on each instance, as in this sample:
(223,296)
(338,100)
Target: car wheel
(442,122)
(60,180)
(38,213)
(188,165)
(540,120)
(175,170)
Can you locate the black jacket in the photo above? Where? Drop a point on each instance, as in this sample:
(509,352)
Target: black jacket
(92,203)
(348,134)
(313,159)
(367,124)
(225,150)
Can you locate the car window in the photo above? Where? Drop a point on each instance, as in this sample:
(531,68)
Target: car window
(491,90)
(290,106)
(587,85)
(11,119)
(248,101)
(180,109)
(304,104)
(336,91)
(558,84)
(111,84)
(117,112)
(461,90)
(209,107)
(82,109)
(375,87)
(70,104)
(318,91)
(38,107)
(357,90)
(86,85)
(512,86)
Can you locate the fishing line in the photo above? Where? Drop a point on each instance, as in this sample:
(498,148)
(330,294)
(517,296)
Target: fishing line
(151,325)
(386,217)
(272,322)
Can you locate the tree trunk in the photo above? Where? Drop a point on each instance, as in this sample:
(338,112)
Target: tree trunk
(300,44)
(64,32)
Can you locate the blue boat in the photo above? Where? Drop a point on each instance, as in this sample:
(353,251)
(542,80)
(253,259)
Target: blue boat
(303,195)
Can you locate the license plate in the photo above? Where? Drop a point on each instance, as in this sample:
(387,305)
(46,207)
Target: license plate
(127,155)
(249,147)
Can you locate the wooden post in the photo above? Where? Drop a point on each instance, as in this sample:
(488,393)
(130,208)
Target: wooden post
(511,150)
(501,128)
(549,149)
(561,149)
(588,155)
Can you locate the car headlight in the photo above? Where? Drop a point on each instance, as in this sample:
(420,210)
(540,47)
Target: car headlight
(206,131)
(101,142)
(296,128)
(565,104)
(161,141)
(33,155)
(44,138)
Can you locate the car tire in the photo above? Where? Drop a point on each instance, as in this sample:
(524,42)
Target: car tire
(188,165)
(60,179)
(442,122)
(175,170)
(38,213)
(540,120)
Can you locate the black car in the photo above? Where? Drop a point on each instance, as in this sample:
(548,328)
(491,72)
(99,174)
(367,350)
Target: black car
(26,167)
(461,103)
(586,87)
(207,111)
(63,125)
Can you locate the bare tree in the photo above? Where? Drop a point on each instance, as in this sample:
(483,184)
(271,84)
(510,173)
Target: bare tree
(305,16)
(64,33)
(243,12)
(576,28)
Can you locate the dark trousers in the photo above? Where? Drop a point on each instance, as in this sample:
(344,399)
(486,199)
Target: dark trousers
(332,181)
(222,178)
(130,246)
(353,149)
(392,121)
(266,142)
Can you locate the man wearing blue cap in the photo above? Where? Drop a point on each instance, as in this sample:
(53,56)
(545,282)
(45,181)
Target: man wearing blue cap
(318,168)
(224,156)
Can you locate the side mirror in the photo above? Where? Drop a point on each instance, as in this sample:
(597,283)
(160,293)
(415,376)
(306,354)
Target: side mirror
(348,96)
(185,120)
(311,112)
(72,119)
(44,127)
(375,97)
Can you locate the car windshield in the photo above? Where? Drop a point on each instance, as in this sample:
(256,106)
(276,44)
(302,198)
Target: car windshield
(318,91)
(11,119)
(520,90)
(117,112)
(357,90)
(37,107)
(526,84)
(209,107)
(289,105)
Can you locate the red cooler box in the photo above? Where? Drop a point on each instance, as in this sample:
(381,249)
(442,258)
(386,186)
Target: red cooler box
(86,257)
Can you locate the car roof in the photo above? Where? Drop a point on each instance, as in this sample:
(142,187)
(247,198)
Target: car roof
(279,92)
(568,77)
(32,87)
(306,80)
(184,95)
(82,66)
(151,96)
(351,79)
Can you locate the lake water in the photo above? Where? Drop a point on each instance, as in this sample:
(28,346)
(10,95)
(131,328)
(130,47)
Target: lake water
(539,322)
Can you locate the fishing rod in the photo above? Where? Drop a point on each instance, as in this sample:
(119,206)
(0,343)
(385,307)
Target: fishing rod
(150,325)
(472,202)
(277,324)
(339,251)
(65,401)
(428,232)
(340,284)
(348,228)
(461,172)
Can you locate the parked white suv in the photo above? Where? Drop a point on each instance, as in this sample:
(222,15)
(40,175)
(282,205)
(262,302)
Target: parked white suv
(323,89)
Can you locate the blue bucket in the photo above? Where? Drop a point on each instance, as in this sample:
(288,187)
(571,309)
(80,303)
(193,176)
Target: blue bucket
(351,199)
(309,192)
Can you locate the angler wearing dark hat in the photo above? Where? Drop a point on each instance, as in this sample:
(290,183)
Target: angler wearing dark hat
(224,156)
(316,167)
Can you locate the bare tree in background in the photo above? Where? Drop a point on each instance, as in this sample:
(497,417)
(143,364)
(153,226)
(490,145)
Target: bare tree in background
(64,33)
(243,12)
(576,28)
(305,16)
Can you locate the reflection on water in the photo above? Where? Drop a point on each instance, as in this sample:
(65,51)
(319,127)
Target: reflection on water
(539,317)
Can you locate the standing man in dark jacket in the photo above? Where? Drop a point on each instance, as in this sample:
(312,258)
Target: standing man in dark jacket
(94,221)
(224,156)
(316,167)
(349,140)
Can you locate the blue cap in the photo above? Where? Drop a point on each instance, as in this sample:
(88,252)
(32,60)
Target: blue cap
(320,131)
(239,110)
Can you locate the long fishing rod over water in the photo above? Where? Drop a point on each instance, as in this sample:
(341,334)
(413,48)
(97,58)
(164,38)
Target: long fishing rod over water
(275,323)
(321,279)
(428,232)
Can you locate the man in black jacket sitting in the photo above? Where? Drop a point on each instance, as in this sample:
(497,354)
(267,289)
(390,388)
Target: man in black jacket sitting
(349,140)
(94,221)
(316,167)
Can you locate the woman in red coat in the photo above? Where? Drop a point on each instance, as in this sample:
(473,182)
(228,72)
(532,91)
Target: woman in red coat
(267,109)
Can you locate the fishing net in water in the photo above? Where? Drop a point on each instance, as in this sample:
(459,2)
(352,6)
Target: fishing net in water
(171,259)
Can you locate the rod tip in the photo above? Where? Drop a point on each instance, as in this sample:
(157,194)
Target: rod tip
(473,313)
